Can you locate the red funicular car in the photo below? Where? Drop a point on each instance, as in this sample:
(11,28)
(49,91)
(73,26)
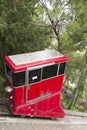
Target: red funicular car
(34,82)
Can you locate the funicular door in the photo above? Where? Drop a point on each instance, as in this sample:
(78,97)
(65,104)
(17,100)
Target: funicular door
(33,83)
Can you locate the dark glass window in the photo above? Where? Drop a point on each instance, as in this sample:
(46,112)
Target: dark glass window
(62,68)
(49,71)
(8,71)
(34,75)
(18,79)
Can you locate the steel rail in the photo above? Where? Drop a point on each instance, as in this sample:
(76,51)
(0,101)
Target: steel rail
(7,112)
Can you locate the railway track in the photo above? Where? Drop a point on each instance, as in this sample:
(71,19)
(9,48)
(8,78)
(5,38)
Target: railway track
(5,112)
(72,120)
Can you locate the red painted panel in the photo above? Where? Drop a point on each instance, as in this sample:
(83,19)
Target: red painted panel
(49,107)
(34,91)
(19,96)
(52,85)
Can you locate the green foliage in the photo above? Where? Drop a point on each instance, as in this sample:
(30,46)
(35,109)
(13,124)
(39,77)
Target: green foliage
(75,62)
(74,38)
(2,85)
(1,82)
(17,33)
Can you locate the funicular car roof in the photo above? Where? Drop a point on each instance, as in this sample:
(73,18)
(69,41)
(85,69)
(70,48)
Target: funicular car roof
(25,60)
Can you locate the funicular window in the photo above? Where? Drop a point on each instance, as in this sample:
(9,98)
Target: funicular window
(34,76)
(62,68)
(8,71)
(50,71)
(18,79)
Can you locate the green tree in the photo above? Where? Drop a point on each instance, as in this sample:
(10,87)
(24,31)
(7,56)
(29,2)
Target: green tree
(67,19)
(75,37)
(55,16)
(17,33)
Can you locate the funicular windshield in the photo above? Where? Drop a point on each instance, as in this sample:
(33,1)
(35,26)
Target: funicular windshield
(17,79)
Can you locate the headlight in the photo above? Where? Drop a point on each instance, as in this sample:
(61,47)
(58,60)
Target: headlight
(8,89)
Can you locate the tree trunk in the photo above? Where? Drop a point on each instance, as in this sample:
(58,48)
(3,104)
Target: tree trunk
(81,77)
(14,4)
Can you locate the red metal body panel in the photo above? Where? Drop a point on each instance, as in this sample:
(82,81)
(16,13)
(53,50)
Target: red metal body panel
(40,99)
(34,91)
(19,96)
(53,85)
(49,107)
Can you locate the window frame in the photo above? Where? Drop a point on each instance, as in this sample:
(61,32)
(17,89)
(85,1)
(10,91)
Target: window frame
(51,76)
(11,78)
(40,67)
(33,70)
(24,79)
(59,68)
(6,73)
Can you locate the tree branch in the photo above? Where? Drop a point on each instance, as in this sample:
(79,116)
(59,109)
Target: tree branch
(40,24)
(81,77)
(14,4)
